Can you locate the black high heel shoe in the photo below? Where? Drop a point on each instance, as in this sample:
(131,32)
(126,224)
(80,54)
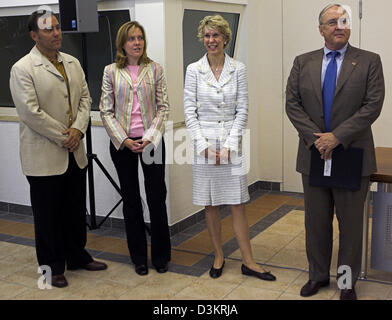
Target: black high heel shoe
(216,273)
(268,276)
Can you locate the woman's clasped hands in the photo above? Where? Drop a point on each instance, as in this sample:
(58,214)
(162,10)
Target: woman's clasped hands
(220,157)
(136,146)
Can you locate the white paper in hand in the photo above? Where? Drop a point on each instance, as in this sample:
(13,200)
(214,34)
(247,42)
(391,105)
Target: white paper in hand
(327,167)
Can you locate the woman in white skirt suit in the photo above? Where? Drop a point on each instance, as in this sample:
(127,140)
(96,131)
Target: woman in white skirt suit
(216,113)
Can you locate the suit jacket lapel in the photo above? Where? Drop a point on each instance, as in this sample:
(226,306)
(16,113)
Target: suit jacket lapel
(66,67)
(315,74)
(227,72)
(143,69)
(125,74)
(206,72)
(348,65)
(40,60)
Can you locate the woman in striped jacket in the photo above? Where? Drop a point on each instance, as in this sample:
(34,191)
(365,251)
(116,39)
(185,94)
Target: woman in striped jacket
(134,107)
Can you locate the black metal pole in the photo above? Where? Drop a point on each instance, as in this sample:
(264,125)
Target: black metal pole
(90,170)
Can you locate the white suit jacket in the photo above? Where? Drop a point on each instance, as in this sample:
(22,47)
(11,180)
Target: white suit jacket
(216,110)
(41,100)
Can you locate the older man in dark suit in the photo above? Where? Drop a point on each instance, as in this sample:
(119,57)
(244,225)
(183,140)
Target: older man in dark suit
(333,96)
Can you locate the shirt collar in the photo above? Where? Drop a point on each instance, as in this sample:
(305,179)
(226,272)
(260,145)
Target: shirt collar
(341,51)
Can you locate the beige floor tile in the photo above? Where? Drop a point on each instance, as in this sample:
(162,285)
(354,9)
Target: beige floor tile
(9,290)
(22,256)
(159,286)
(143,292)
(272,240)
(295,219)
(290,296)
(37,294)
(297,244)
(244,292)
(285,228)
(102,289)
(8,268)
(290,258)
(8,249)
(323,294)
(183,297)
(207,289)
(27,276)
(284,278)
(300,213)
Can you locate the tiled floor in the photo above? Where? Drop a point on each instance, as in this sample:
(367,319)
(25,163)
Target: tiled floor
(276,223)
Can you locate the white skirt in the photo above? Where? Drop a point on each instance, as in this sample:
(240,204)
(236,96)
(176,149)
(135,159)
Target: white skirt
(224,184)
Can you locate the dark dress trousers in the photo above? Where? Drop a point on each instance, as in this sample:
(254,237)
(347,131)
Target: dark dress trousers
(357,103)
(59,209)
(126,164)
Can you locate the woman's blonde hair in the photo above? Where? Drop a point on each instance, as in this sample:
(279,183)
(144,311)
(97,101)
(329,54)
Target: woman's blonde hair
(122,37)
(216,22)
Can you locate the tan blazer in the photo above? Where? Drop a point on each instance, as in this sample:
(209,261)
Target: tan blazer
(358,100)
(41,100)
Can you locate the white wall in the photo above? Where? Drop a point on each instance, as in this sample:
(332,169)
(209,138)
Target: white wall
(150,13)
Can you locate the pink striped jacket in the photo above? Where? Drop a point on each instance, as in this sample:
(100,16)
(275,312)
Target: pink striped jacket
(117,100)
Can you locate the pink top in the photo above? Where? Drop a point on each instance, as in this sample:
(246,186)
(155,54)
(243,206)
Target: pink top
(136,127)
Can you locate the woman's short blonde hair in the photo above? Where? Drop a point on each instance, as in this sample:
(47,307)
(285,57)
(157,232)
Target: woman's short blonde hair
(216,22)
(123,37)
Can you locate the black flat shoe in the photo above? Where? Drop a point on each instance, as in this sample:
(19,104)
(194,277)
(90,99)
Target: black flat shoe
(141,269)
(268,276)
(162,269)
(216,273)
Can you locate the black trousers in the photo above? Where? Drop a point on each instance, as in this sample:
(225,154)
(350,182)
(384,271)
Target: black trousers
(59,209)
(126,164)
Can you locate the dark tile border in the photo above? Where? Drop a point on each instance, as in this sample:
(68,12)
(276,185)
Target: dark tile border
(4,206)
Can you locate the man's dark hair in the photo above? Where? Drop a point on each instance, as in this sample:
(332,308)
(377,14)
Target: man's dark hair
(32,22)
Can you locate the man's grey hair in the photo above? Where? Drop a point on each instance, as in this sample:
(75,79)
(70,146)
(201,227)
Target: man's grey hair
(325,9)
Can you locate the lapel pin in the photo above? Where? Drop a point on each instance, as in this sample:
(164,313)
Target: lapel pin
(354,63)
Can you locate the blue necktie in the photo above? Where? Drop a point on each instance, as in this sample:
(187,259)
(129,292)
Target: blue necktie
(329,88)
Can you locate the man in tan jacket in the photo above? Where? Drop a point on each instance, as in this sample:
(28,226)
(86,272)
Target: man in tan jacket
(53,103)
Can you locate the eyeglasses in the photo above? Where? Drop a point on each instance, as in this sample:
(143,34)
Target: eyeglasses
(342,23)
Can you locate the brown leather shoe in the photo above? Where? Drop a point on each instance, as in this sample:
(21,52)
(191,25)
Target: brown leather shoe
(312,287)
(59,281)
(95,266)
(348,294)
